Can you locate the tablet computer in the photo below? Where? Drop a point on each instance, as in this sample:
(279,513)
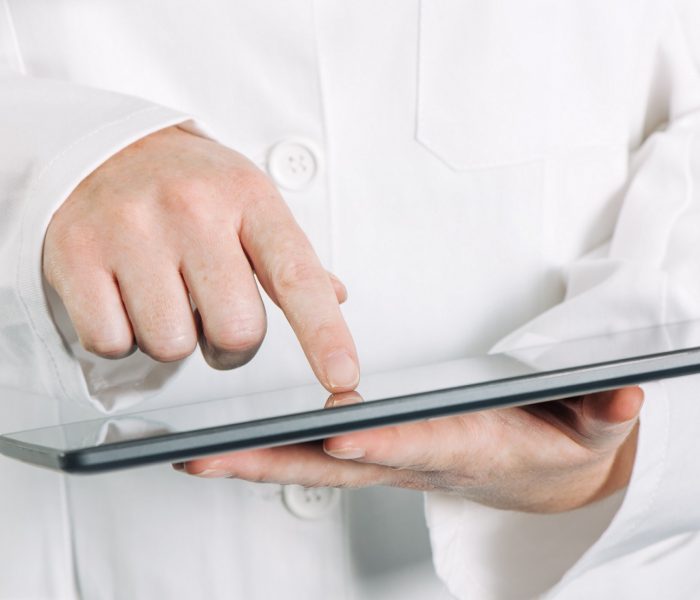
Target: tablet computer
(526,376)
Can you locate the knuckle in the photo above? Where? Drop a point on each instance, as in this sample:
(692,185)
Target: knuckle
(129,211)
(253,469)
(226,361)
(68,242)
(326,333)
(187,191)
(258,473)
(252,184)
(194,204)
(124,221)
(54,272)
(296,274)
(235,343)
(239,335)
(186,195)
(168,349)
(107,348)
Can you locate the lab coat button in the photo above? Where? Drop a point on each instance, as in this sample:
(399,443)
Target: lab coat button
(309,503)
(292,164)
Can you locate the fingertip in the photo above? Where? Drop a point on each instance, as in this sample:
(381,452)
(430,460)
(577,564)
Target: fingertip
(341,371)
(626,404)
(616,406)
(205,467)
(345,447)
(343,399)
(369,445)
(345,453)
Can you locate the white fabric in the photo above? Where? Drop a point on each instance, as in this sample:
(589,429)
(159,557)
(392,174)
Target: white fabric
(474,173)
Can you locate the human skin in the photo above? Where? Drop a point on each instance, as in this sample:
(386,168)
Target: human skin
(175,214)
(549,457)
(175,217)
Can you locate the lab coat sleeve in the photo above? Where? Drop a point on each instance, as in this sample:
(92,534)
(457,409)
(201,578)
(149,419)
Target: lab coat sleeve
(52,134)
(648,273)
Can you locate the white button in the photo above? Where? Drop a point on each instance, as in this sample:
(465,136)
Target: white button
(309,503)
(292,164)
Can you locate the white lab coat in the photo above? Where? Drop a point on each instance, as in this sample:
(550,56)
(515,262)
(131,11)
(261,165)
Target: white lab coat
(470,169)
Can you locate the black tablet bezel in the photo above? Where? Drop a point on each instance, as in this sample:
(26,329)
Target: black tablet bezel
(319,424)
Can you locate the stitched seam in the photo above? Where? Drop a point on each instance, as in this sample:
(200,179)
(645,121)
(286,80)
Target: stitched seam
(533,158)
(80,140)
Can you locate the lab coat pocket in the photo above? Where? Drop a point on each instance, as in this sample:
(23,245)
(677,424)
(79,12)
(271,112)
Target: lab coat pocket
(509,81)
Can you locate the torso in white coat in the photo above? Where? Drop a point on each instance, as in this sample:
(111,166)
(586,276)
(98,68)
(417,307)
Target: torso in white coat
(447,159)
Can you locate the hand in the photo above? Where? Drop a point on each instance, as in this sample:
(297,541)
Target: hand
(547,457)
(176,218)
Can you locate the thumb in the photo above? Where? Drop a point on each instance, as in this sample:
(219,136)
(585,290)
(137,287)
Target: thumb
(341,292)
(607,418)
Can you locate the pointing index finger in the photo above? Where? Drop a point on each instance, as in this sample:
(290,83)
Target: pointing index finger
(292,275)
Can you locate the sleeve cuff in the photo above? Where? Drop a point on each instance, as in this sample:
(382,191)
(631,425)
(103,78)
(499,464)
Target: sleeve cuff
(51,185)
(490,554)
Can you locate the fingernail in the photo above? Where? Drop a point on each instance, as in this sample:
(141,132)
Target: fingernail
(211,473)
(346,453)
(178,466)
(344,399)
(341,371)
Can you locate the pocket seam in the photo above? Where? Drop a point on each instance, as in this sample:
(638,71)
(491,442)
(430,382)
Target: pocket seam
(436,148)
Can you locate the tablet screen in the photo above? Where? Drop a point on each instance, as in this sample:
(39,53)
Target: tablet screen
(542,372)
